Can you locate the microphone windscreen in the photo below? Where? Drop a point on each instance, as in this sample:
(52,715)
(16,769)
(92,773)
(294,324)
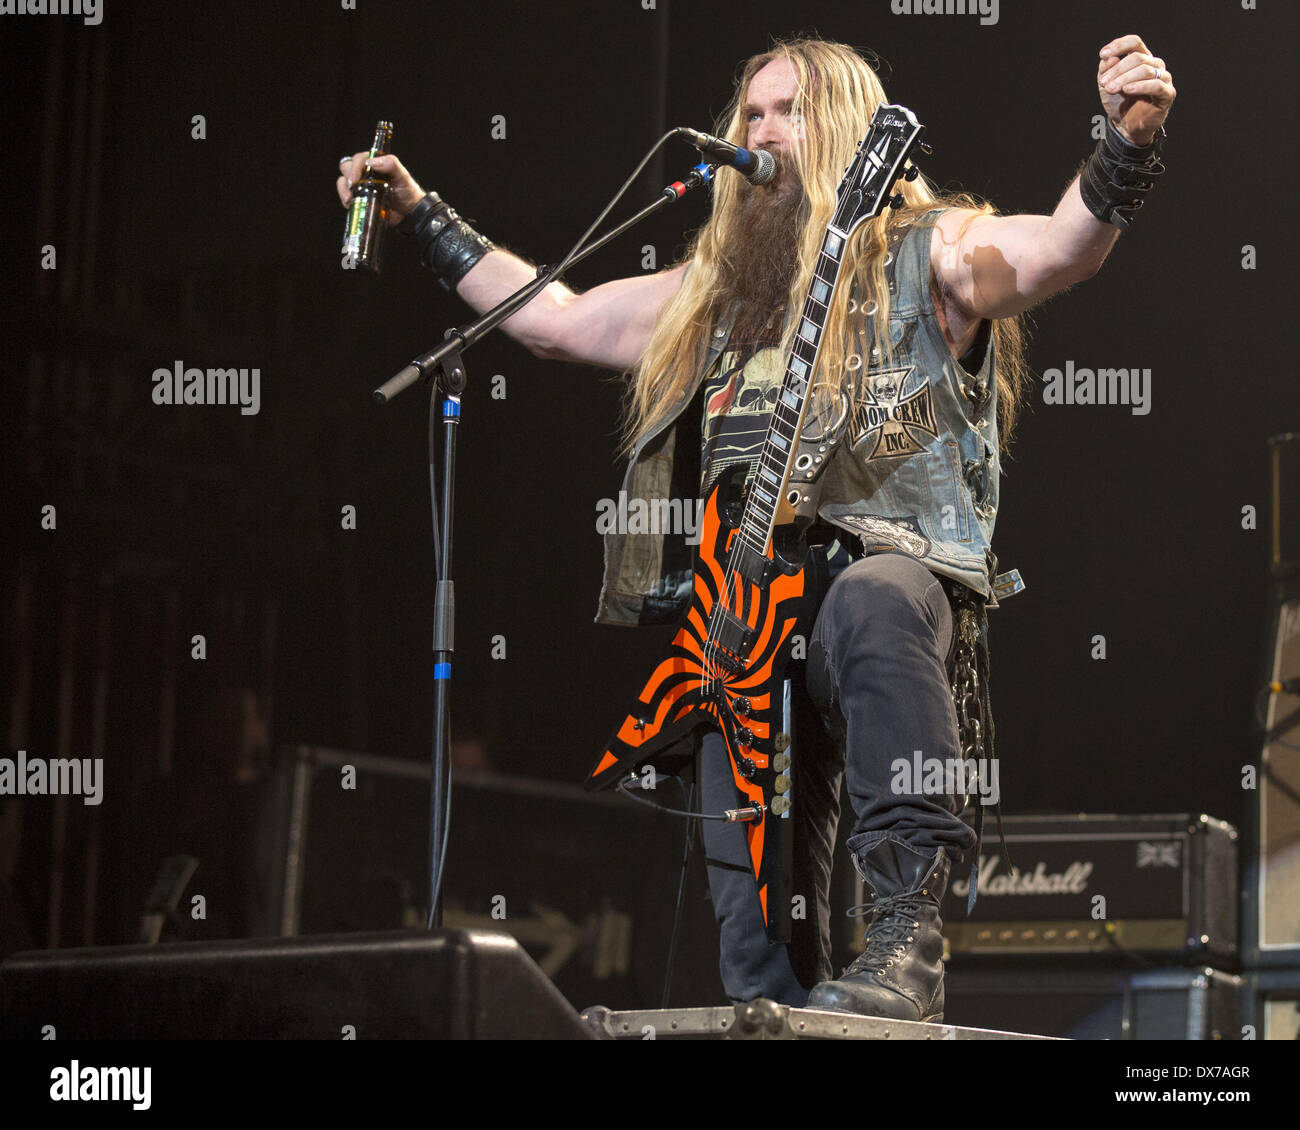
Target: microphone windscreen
(764,167)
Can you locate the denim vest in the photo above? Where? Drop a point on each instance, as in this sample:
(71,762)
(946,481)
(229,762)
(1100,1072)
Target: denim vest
(917,471)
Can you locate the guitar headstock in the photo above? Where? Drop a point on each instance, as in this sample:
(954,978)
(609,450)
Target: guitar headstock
(868,184)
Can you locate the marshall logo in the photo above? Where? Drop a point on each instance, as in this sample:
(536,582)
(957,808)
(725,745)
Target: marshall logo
(891,422)
(1072,881)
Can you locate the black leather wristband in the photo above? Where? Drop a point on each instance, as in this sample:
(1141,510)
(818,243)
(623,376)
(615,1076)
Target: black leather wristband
(449,247)
(415,218)
(1116,178)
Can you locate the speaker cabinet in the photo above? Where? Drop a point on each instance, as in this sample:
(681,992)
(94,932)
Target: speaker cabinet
(1083,1002)
(434,985)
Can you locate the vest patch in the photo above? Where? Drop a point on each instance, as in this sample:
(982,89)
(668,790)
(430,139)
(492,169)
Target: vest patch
(891,423)
(878,532)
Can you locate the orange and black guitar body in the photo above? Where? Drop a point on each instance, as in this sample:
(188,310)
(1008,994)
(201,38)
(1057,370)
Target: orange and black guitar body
(726,669)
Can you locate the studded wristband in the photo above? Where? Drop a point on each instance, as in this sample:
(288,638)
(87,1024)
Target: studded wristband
(449,247)
(1116,178)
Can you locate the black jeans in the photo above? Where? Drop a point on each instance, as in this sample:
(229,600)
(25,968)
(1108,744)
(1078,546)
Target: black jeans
(875,689)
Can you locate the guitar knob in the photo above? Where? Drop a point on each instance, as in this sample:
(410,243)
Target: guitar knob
(741,706)
(782,784)
(781,742)
(747,768)
(781,762)
(780,805)
(744,737)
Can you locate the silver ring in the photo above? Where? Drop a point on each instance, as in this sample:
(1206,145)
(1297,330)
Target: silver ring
(344,159)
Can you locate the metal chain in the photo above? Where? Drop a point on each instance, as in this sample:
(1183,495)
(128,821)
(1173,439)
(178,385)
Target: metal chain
(966,683)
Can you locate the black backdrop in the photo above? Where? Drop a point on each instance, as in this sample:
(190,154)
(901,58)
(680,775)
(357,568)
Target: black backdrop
(224,252)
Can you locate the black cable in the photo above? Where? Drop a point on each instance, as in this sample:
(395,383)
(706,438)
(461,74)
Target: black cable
(1109,930)
(622,788)
(666,996)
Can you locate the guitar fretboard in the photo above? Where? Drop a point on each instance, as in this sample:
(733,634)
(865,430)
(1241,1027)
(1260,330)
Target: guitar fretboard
(787,417)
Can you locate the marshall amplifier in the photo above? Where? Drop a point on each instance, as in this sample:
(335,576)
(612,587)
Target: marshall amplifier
(1163,885)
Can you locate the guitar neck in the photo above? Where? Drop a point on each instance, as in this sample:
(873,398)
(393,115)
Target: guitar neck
(774,463)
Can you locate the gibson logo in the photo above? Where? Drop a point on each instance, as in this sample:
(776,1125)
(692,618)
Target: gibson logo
(1072,881)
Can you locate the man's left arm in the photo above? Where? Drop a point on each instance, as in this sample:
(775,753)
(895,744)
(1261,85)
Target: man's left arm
(998,266)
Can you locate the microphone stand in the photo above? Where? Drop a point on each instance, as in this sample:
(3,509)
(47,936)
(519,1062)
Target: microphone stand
(444,368)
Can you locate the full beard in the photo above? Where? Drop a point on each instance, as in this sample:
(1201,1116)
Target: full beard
(760,268)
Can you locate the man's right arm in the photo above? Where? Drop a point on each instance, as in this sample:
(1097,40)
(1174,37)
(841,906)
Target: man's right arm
(608,326)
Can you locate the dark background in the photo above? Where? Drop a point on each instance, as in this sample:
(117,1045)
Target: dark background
(224,252)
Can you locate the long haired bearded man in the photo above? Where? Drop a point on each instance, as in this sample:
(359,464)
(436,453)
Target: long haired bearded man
(921,374)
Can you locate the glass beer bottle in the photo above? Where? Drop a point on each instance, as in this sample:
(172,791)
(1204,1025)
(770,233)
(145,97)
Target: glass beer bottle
(363,239)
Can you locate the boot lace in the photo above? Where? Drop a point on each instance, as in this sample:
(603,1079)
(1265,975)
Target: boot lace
(893,920)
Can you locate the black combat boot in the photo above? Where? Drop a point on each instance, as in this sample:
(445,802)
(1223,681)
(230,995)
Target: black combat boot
(900,973)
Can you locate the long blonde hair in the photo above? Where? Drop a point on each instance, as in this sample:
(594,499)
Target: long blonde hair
(837,96)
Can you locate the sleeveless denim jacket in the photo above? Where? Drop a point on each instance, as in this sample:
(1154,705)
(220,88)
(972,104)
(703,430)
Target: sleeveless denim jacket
(918,469)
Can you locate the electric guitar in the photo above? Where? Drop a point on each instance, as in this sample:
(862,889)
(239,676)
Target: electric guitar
(754,593)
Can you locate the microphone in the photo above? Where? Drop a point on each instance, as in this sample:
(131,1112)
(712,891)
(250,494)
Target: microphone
(758,166)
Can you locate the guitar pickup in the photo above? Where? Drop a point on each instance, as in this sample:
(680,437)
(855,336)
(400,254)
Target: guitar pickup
(733,639)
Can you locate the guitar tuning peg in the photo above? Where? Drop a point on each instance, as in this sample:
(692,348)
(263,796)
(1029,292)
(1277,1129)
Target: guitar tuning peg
(911,173)
(896,201)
